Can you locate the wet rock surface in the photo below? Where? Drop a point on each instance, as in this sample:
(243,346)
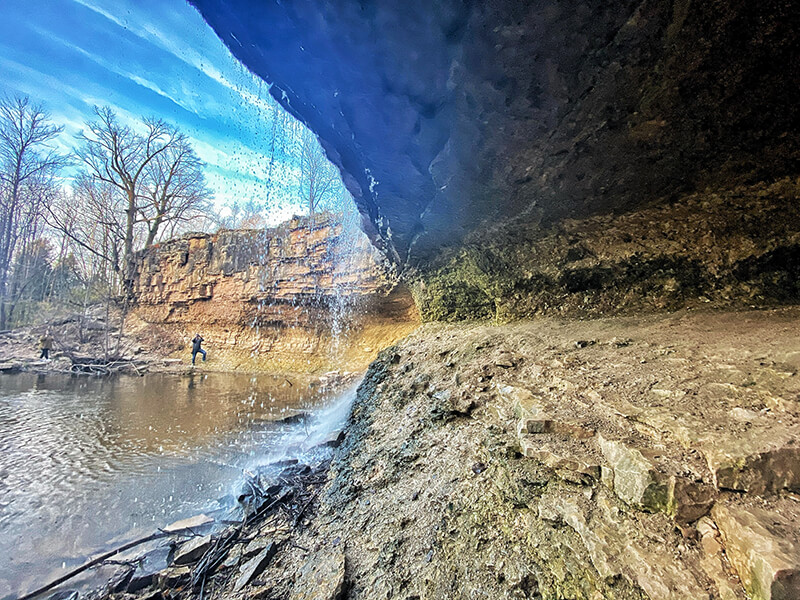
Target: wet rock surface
(578,471)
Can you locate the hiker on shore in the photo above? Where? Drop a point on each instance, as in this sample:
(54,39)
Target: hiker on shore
(45,345)
(196,341)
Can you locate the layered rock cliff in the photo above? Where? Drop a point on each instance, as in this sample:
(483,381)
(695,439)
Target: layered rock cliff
(307,296)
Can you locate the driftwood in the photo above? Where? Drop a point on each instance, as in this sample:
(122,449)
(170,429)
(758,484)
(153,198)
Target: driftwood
(287,494)
(93,562)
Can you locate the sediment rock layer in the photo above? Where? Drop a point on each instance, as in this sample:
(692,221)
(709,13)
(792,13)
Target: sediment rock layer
(737,247)
(305,296)
(624,458)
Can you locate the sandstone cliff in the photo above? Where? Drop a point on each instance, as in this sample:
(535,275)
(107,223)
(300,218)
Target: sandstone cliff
(310,295)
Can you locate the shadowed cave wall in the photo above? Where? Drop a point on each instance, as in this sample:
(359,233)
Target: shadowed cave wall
(469,132)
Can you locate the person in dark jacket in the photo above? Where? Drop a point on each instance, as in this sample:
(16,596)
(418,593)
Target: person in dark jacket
(45,345)
(196,341)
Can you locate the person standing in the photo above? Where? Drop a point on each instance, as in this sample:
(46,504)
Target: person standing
(45,345)
(196,341)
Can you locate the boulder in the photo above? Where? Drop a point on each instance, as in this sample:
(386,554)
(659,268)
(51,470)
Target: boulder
(763,545)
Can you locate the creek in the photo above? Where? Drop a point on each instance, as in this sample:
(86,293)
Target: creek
(88,464)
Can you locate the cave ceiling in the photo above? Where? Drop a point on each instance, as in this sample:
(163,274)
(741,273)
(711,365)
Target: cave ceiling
(448,117)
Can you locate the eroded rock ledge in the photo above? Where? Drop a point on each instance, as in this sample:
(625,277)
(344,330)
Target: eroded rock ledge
(447,117)
(738,247)
(305,296)
(624,458)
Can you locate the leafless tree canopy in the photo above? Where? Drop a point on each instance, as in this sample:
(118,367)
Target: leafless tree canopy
(144,183)
(319,180)
(28,165)
(73,234)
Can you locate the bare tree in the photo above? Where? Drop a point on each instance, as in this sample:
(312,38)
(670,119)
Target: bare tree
(157,176)
(175,190)
(27,168)
(319,180)
(92,218)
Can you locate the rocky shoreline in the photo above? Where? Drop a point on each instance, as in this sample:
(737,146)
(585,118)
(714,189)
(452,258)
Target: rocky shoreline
(652,457)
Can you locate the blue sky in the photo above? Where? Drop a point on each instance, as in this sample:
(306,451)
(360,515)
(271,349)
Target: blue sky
(151,58)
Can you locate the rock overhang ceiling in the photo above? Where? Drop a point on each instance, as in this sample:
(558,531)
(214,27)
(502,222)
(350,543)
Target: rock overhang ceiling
(448,117)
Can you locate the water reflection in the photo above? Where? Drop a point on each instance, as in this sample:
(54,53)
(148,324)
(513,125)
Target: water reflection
(85,463)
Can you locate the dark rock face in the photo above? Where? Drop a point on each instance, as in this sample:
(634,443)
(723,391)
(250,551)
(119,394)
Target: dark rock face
(448,116)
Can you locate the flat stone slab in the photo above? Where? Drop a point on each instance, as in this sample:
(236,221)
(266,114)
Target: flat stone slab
(255,566)
(763,545)
(174,576)
(149,568)
(191,551)
(256,546)
(190,523)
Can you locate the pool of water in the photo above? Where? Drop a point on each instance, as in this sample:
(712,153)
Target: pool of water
(88,464)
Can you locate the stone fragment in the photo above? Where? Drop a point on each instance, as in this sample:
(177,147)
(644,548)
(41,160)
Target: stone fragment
(322,577)
(542,423)
(65,595)
(192,550)
(689,500)
(332,440)
(254,567)
(568,458)
(636,480)
(174,576)
(255,546)
(233,559)
(521,399)
(190,523)
(713,562)
(505,360)
(148,568)
(763,546)
(534,416)
(746,465)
